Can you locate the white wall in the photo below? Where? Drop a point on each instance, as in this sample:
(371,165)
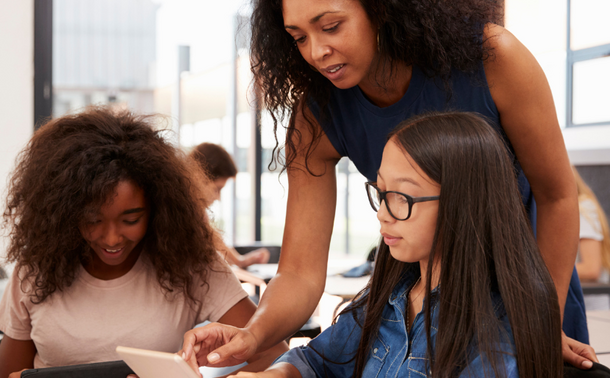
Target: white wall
(16,85)
(541,26)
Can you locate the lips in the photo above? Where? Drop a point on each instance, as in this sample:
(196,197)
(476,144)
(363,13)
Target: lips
(113,253)
(389,239)
(335,71)
(117,250)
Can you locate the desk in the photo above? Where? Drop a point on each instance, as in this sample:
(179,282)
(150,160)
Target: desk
(603,315)
(595,288)
(599,334)
(344,287)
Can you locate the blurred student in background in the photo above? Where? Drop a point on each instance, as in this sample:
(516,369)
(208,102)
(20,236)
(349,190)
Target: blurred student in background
(219,166)
(593,259)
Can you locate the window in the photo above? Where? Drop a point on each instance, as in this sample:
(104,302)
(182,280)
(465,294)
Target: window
(588,63)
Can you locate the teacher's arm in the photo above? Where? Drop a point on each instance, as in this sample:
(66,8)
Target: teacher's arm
(238,316)
(293,294)
(15,356)
(527,114)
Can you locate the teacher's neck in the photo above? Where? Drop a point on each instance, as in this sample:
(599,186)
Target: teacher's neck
(386,85)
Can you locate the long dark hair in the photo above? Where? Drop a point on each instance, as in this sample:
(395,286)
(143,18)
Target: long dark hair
(75,162)
(435,35)
(484,243)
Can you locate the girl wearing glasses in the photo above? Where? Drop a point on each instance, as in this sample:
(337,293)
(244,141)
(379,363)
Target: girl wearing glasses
(111,245)
(459,287)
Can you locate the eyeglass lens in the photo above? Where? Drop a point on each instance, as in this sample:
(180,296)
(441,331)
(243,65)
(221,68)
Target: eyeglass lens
(396,203)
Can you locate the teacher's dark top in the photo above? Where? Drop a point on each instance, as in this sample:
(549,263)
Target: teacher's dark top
(358,129)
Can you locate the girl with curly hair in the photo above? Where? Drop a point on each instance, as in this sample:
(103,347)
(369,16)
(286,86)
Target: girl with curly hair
(343,73)
(108,233)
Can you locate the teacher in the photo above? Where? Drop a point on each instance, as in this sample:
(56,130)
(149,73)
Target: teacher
(343,73)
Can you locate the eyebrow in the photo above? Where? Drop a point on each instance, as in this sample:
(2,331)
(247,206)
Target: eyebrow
(132,211)
(312,21)
(402,179)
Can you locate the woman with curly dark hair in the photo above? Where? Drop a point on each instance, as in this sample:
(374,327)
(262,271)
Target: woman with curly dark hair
(108,233)
(343,73)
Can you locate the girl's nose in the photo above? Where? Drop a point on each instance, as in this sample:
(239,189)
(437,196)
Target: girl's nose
(383,215)
(112,237)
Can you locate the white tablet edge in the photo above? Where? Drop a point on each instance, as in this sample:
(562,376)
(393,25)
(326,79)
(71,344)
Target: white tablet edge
(134,357)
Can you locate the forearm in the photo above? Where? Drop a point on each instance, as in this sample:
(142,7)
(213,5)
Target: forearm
(16,355)
(557,235)
(287,303)
(285,370)
(262,361)
(231,256)
(587,273)
(590,266)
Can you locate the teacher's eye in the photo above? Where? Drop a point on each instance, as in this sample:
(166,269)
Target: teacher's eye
(331,28)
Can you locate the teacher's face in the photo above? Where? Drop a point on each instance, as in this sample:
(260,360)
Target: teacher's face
(335,37)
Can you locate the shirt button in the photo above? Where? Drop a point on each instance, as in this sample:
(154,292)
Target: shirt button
(375,350)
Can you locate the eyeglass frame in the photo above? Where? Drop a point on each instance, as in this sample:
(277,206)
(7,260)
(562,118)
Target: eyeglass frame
(382,198)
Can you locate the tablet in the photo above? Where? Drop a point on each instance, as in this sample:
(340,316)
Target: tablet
(111,369)
(151,364)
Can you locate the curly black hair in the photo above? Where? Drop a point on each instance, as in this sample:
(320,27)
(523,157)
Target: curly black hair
(435,35)
(75,162)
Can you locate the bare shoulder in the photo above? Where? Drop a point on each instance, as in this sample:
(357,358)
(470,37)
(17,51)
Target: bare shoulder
(516,80)
(508,55)
(311,143)
(499,38)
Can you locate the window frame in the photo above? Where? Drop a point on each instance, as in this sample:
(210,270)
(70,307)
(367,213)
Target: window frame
(577,56)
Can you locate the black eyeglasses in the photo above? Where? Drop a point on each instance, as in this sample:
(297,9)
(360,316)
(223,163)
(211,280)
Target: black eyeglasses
(399,205)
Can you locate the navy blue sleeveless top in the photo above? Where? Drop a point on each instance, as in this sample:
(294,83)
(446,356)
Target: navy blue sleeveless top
(358,129)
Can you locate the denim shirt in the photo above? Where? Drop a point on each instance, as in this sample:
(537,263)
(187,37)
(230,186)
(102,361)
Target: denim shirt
(394,352)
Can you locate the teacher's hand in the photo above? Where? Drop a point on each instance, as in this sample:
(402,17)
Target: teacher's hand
(576,353)
(217,345)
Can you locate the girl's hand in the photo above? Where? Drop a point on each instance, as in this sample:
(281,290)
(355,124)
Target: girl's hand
(258,256)
(16,374)
(576,353)
(217,345)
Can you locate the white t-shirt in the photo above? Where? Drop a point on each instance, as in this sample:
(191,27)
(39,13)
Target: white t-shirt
(590,228)
(88,320)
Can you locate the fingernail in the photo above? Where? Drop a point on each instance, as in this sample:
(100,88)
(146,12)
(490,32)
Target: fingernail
(587,364)
(213,357)
(183,356)
(131,376)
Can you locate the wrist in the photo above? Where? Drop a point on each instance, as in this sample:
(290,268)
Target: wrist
(257,336)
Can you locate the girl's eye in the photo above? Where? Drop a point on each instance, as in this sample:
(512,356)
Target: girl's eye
(131,222)
(299,40)
(332,28)
(92,222)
